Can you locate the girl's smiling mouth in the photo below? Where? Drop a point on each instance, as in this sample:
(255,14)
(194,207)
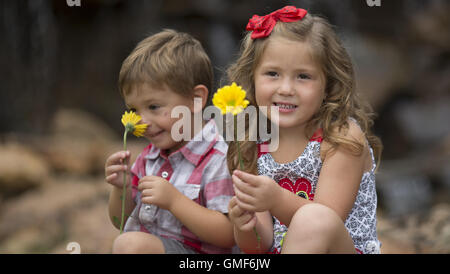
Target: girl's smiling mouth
(285,107)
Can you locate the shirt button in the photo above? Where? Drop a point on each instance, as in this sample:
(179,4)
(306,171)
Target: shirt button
(165,174)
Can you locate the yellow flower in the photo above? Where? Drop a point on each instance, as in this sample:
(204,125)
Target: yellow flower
(230,99)
(130,120)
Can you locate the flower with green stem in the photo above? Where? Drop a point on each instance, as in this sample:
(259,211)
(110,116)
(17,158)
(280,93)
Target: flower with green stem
(231,99)
(130,121)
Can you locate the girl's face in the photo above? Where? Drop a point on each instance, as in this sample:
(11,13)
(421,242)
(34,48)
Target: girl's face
(154,105)
(288,77)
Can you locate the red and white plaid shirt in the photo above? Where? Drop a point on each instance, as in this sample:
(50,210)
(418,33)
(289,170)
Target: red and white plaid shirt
(199,171)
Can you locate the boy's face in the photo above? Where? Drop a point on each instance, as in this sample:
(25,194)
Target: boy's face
(155,105)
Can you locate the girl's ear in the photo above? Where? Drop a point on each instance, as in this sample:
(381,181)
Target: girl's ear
(200,92)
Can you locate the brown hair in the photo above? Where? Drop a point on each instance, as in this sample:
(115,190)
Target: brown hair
(169,58)
(341,100)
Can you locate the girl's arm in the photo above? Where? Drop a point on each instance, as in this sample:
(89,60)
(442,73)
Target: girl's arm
(337,187)
(338,183)
(247,240)
(341,175)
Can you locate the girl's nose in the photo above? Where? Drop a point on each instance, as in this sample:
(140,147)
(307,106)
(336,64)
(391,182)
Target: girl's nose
(286,88)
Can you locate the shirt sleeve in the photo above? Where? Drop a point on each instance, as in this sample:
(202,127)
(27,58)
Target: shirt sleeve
(218,186)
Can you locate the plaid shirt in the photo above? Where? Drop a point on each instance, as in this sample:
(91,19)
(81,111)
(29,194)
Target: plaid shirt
(199,171)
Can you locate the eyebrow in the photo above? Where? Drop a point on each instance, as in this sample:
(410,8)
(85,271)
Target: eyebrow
(300,68)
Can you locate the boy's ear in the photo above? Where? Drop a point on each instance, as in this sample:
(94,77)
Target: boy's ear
(200,92)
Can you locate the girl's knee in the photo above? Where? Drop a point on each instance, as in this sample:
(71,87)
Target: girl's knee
(316,218)
(316,228)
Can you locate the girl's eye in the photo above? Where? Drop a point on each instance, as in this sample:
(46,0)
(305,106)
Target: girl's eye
(272,73)
(304,76)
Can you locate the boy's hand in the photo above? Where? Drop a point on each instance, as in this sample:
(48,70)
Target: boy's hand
(243,220)
(157,191)
(254,193)
(115,165)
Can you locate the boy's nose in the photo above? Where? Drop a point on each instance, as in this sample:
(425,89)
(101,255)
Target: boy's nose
(145,121)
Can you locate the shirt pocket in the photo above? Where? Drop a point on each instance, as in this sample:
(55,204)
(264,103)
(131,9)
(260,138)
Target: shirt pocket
(192,191)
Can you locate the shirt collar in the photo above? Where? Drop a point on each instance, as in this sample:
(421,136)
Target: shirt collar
(194,151)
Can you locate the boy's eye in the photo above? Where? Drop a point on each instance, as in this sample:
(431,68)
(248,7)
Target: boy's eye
(153,107)
(132,109)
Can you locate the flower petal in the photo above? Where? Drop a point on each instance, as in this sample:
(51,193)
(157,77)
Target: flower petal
(130,121)
(230,99)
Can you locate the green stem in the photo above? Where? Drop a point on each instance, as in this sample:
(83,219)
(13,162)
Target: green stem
(241,165)
(124,187)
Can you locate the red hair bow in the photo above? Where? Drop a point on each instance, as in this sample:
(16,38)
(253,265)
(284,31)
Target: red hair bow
(262,25)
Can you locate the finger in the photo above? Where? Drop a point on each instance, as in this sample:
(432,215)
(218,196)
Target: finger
(232,204)
(114,169)
(147,200)
(111,177)
(236,211)
(145,184)
(149,178)
(243,197)
(247,177)
(250,224)
(245,206)
(242,186)
(118,158)
(147,193)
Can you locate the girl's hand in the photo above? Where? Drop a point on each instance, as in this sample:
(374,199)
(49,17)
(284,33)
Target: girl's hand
(255,193)
(115,165)
(243,220)
(157,191)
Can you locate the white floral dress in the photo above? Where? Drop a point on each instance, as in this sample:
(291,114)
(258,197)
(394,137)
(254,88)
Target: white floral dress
(301,176)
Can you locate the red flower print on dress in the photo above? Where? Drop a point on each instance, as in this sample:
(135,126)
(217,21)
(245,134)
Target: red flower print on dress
(302,187)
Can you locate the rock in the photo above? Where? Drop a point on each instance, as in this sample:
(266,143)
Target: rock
(51,202)
(380,67)
(91,229)
(78,124)
(431,25)
(427,232)
(80,143)
(21,168)
(425,122)
(403,194)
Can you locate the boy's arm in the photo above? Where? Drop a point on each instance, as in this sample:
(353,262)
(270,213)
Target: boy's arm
(209,225)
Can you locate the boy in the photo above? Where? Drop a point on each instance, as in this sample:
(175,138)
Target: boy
(179,191)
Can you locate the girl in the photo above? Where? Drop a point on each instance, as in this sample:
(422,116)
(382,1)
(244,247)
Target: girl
(316,192)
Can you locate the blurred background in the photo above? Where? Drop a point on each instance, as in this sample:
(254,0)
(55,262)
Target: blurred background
(60,108)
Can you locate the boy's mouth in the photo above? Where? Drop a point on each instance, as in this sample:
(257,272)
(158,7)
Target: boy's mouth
(152,135)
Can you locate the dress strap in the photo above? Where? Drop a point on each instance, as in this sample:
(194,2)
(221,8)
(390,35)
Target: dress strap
(317,136)
(259,148)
